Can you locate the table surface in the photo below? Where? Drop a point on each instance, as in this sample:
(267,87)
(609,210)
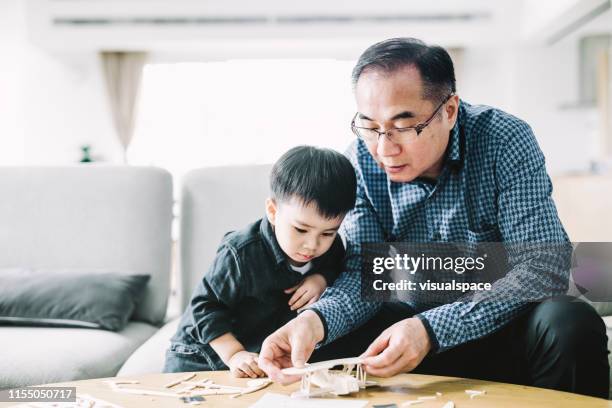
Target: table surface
(396,390)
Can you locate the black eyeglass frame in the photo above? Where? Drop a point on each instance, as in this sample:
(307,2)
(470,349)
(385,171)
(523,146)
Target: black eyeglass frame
(417,128)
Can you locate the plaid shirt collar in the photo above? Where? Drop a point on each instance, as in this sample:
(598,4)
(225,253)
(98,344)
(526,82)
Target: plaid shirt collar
(455,150)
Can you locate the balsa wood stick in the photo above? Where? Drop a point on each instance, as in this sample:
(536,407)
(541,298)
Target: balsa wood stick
(137,391)
(211,385)
(216,391)
(250,390)
(180,380)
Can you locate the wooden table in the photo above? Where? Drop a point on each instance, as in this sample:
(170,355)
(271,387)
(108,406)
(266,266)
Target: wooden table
(393,390)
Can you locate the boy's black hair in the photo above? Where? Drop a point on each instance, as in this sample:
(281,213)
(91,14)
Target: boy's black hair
(315,175)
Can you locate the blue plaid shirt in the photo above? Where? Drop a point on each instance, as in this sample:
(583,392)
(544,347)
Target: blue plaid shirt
(493,188)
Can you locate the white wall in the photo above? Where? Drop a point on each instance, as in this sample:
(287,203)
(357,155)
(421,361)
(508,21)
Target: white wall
(539,83)
(66,107)
(539,13)
(487,76)
(536,84)
(547,86)
(547,98)
(50,104)
(12,133)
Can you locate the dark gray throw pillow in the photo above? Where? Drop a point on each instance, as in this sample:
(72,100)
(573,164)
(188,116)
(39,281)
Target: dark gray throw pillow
(102,300)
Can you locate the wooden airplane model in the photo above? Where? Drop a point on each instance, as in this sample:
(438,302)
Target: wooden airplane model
(350,379)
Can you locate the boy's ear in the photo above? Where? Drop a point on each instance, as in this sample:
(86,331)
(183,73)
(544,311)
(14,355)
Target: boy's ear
(271,210)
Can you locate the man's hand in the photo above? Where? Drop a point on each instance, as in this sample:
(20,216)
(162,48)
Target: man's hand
(291,346)
(307,291)
(400,348)
(244,364)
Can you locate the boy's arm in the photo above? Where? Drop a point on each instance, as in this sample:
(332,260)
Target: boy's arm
(220,291)
(226,346)
(217,293)
(240,362)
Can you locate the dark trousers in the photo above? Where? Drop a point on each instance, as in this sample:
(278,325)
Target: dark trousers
(557,344)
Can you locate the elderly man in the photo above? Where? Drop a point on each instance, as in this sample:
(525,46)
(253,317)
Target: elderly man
(433,168)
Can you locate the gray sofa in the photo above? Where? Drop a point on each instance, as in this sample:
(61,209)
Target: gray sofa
(83,218)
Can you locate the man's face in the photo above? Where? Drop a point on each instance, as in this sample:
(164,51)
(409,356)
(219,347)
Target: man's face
(387,100)
(302,233)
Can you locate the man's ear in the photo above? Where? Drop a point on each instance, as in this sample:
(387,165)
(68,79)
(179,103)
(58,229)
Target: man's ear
(452,109)
(271,210)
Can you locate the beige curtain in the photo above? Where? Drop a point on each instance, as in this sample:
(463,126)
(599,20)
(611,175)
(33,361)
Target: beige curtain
(122,74)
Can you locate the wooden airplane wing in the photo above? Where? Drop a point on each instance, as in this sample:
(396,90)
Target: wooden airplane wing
(322,365)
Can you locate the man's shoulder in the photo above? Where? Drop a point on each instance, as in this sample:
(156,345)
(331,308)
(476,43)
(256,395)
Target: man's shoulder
(501,139)
(487,123)
(352,151)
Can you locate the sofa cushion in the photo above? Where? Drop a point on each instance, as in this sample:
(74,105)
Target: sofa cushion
(42,355)
(90,217)
(150,357)
(103,300)
(206,216)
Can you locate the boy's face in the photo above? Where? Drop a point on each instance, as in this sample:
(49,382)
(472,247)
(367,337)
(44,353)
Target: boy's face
(302,233)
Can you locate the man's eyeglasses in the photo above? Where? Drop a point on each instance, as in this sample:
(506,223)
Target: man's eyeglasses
(395,135)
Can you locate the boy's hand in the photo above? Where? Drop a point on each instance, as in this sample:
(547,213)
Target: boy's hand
(307,292)
(244,364)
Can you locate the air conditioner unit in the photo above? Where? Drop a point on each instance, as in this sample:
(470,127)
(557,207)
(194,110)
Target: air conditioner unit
(106,23)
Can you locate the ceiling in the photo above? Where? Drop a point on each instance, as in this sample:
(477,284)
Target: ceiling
(313,28)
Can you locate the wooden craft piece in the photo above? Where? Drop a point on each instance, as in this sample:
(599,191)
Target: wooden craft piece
(338,383)
(475,393)
(185,388)
(180,380)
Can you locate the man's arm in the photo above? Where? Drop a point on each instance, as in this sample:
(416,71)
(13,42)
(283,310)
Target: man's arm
(526,216)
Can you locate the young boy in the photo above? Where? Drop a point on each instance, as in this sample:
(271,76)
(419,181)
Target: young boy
(263,274)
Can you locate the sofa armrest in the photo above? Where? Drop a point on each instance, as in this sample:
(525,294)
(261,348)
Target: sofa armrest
(150,357)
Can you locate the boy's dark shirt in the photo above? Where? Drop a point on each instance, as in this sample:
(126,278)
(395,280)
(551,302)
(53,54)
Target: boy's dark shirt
(243,291)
